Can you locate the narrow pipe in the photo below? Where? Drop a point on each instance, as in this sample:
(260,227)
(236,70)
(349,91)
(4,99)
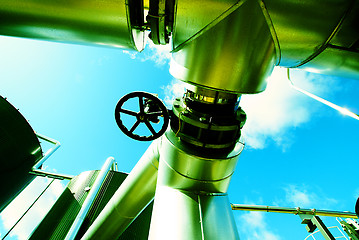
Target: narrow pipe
(36,168)
(340,109)
(294,211)
(134,194)
(49,152)
(109,164)
(59,176)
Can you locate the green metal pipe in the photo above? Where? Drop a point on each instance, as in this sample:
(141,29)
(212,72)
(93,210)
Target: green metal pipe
(134,194)
(96,22)
(191,200)
(234,45)
(36,169)
(179,215)
(295,211)
(108,165)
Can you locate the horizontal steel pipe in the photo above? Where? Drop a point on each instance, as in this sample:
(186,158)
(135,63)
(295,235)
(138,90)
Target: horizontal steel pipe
(103,22)
(295,211)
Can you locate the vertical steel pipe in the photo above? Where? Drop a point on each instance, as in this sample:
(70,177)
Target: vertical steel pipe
(134,194)
(191,200)
(179,214)
(108,165)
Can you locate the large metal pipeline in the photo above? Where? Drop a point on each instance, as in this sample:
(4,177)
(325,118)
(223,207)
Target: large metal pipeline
(106,22)
(232,49)
(191,200)
(234,45)
(134,194)
(226,45)
(229,46)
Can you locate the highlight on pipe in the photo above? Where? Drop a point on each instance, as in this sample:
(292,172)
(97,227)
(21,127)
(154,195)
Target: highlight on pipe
(340,109)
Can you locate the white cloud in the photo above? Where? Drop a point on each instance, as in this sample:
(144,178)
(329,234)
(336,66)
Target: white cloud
(306,197)
(253,226)
(299,196)
(173,90)
(16,208)
(132,54)
(272,115)
(159,54)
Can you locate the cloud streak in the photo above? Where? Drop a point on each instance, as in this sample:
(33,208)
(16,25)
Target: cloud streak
(301,195)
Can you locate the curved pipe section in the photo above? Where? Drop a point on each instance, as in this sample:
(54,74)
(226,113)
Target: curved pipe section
(134,194)
(234,45)
(36,169)
(232,50)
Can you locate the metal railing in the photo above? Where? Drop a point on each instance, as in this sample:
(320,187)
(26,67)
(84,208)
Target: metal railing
(36,169)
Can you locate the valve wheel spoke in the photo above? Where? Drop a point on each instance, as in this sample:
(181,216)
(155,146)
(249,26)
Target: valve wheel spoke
(133,128)
(149,126)
(151,110)
(140,101)
(129,112)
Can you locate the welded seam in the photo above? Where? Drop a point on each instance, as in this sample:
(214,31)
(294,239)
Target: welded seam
(198,180)
(272,31)
(331,36)
(352,50)
(156,154)
(209,26)
(200,216)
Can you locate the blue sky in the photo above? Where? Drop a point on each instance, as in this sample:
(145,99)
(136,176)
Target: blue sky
(298,152)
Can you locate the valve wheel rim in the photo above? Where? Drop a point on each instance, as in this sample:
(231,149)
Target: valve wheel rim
(141,116)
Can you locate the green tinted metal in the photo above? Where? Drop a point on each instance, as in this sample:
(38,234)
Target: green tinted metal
(233,45)
(19,151)
(302,28)
(94,22)
(235,52)
(59,219)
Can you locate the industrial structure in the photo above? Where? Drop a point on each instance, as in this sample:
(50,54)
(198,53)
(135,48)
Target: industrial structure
(221,49)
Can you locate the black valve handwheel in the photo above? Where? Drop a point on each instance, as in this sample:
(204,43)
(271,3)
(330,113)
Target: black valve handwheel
(150,109)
